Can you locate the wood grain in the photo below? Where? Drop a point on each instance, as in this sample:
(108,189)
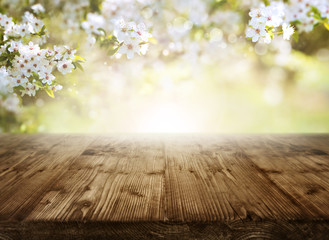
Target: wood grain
(164,186)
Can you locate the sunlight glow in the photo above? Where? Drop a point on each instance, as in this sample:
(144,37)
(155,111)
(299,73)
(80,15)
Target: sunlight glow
(168,118)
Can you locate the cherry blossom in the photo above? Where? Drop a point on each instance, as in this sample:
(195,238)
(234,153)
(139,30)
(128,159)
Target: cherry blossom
(130,47)
(303,14)
(288,30)
(27,67)
(38,8)
(65,66)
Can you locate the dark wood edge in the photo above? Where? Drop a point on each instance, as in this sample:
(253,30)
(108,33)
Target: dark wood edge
(247,229)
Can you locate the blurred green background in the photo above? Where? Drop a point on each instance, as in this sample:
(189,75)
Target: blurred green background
(223,85)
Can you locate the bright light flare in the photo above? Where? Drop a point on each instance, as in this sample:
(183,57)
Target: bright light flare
(168,118)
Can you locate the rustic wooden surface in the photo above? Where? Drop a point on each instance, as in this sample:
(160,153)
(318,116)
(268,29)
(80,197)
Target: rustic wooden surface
(164,187)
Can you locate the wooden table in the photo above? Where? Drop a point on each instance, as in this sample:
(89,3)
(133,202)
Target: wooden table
(164,187)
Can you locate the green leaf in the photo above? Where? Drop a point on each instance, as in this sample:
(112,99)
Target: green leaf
(102,30)
(39,84)
(108,41)
(315,10)
(316,13)
(216,4)
(77,65)
(79,59)
(113,51)
(2,10)
(50,92)
(19,88)
(153,40)
(295,36)
(326,24)
(317,24)
(42,31)
(111,39)
(317,16)
(3,58)
(35,76)
(295,22)
(95,5)
(267,2)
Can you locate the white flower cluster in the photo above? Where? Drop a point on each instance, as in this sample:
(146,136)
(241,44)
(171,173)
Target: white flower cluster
(300,11)
(119,18)
(30,25)
(38,8)
(134,38)
(266,20)
(72,12)
(24,66)
(197,11)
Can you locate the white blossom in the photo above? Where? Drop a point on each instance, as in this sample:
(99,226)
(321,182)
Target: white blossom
(30,67)
(11,103)
(141,33)
(121,19)
(93,23)
(38,8)
(281,14)
(91,40)
(288,30)
(30,89)
(123,30)
(56,88)
(65,66)
(130,47)
(255,34)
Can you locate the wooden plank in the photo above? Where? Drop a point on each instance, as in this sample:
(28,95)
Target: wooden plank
(108,181)
(294,168)
(8,144)
(23,186)
(169,186)
(226,174)
(234,230)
